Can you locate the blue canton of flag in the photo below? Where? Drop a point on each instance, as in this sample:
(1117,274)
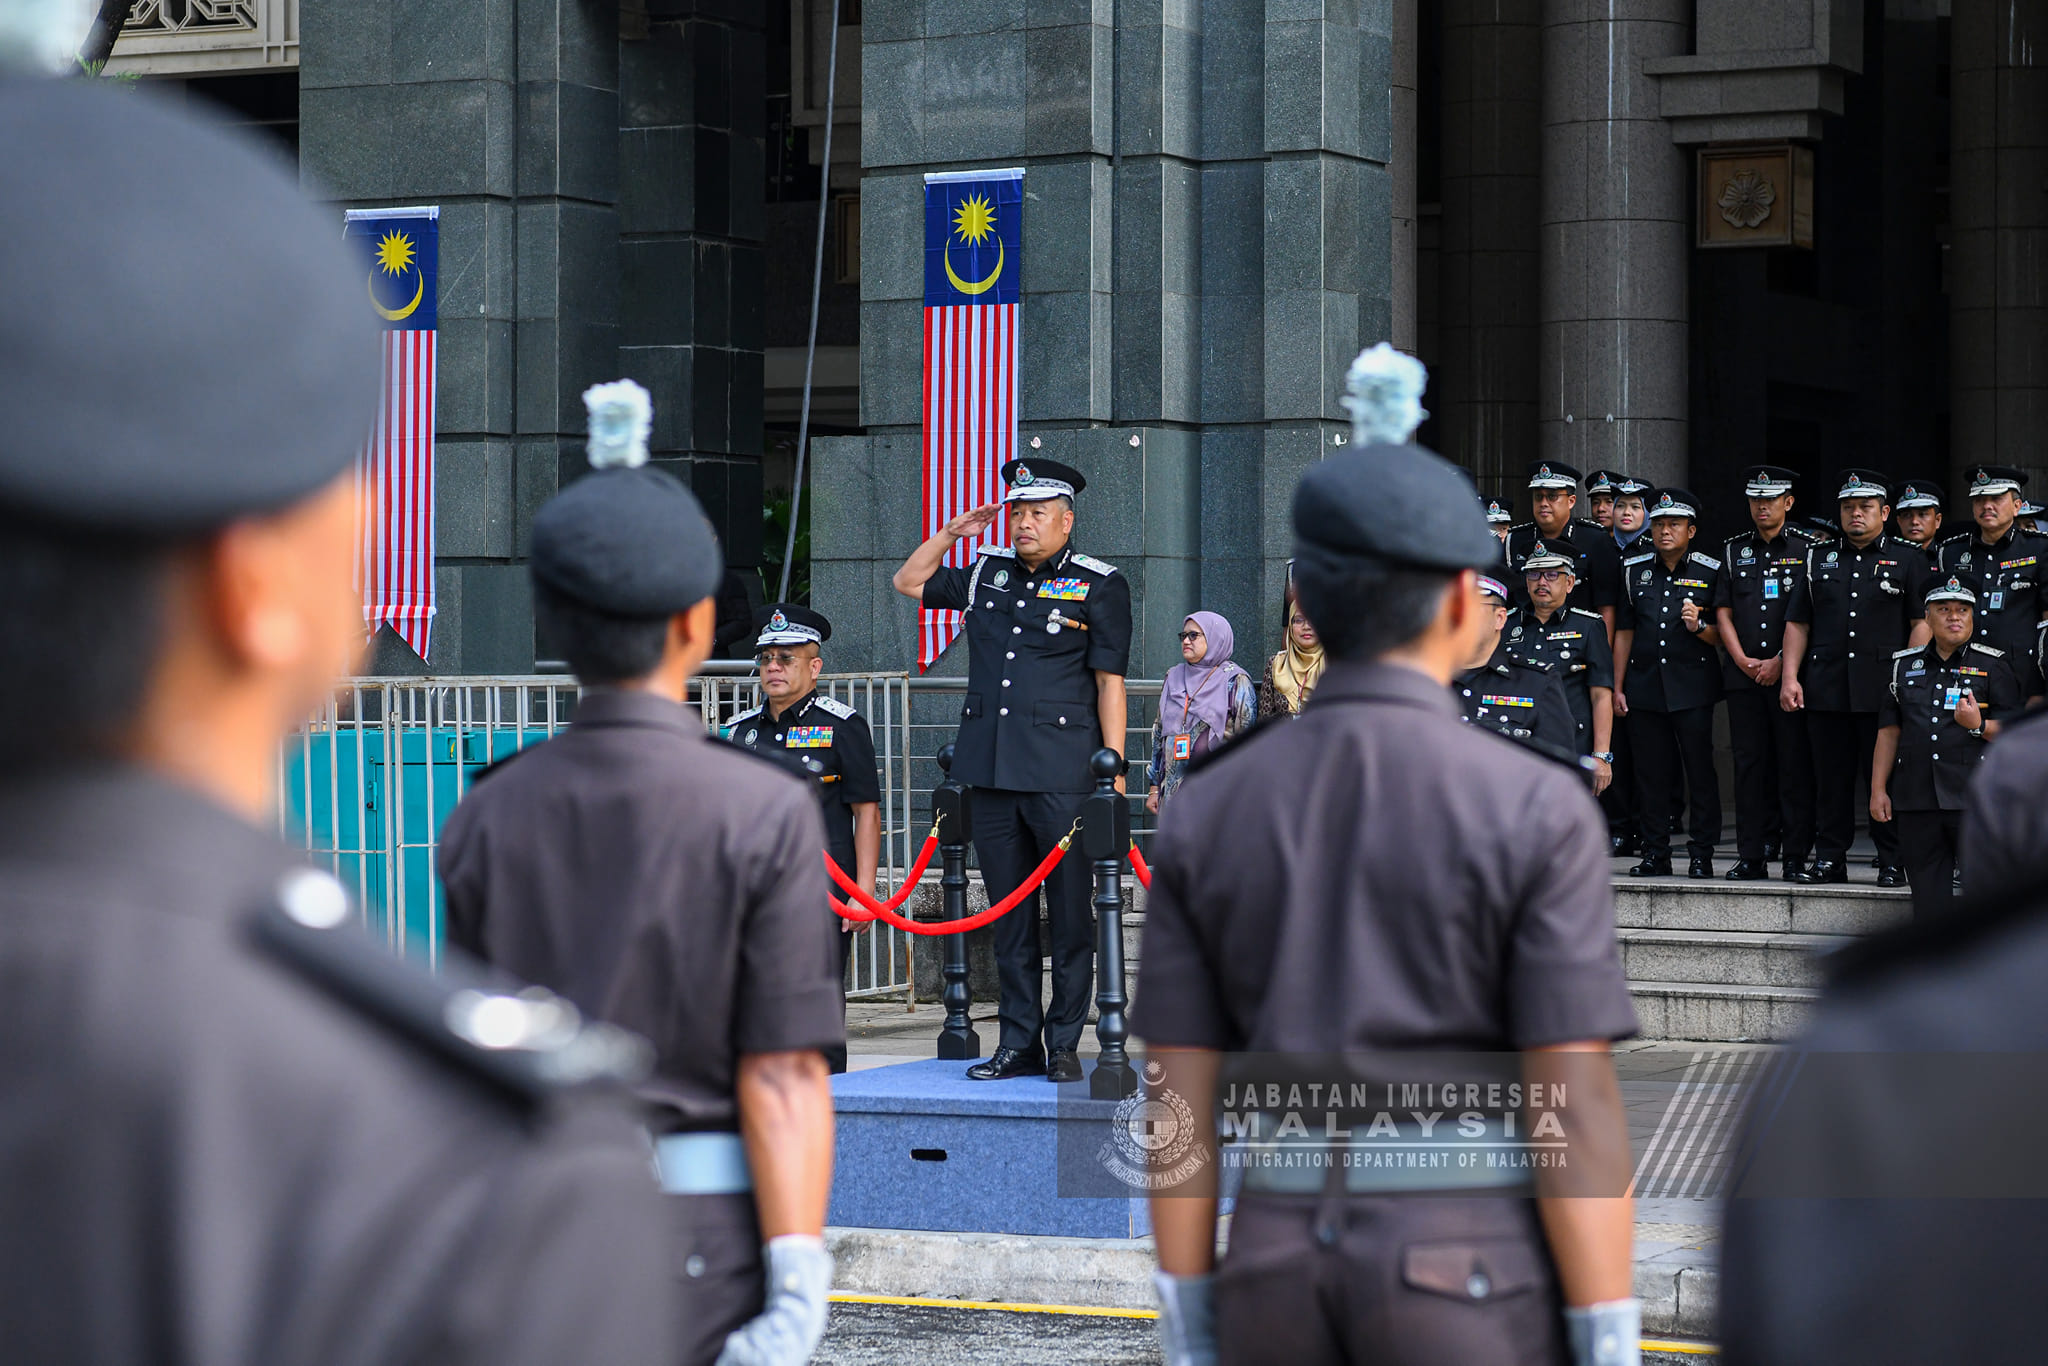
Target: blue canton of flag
(973,238)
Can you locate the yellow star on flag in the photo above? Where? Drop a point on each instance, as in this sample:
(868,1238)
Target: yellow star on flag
(973,219)
(394,253)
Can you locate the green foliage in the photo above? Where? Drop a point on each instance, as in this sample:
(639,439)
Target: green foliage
(774,535)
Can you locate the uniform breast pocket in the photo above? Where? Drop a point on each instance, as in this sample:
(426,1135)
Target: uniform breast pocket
(971,708)
(1062,715)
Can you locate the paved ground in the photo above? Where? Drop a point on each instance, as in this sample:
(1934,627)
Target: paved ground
(887,1335)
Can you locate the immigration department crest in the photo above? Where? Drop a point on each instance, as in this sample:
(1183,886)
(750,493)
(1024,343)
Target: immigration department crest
(1152,1136)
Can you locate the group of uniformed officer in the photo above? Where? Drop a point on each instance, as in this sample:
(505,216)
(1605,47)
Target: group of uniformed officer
(1803,630)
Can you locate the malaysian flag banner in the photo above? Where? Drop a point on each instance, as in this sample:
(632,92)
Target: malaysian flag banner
(395,471)
(973,240)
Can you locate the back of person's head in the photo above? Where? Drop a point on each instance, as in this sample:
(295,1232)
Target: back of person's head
(598,647)
(1370,610)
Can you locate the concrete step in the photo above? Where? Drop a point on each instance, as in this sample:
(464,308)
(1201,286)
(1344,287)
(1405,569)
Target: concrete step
(1757,907)
(1713,1013)
(1727,957)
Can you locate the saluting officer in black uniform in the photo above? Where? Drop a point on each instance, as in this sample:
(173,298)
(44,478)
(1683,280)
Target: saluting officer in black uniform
(1048,639)
(1553,495)
(2010,561)
(1667,678)
(673,884)
(1773,766)
(237,1130)
(1857,602)
(1432,889)
(1523,701)
(1947,700)
(1917,512)
(1572,643)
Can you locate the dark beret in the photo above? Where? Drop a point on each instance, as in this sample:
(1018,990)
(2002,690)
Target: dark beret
(184,338)
(628,543)
(1398,506)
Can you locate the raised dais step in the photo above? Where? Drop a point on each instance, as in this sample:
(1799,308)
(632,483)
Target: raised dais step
(1715,1013)
(1758,907)
(1727,957)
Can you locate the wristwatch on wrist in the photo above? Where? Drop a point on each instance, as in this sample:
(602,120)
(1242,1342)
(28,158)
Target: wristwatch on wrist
(1605,756)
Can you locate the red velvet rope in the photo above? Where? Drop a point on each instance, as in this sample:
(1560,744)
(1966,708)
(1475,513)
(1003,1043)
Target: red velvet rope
(1141,868)
(883,911)
(852,888)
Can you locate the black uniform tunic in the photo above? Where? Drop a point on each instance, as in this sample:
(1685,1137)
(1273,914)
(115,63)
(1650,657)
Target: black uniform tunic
(1599,580)
(2009,604)
(1773,765)
(828,745)
(1672,681)
(1524,702)
(663,881)
(1937,757)
(1429,889)
(212,1160)
(1035,639)
(1573,646)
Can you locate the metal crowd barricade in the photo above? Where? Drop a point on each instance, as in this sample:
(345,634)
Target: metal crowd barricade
(365,785)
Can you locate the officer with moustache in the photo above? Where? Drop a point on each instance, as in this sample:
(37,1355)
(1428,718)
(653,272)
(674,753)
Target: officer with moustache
(2010,561)
(1553,496)
(1049,638)
(1667,679)
(1522,701)
(1573,645)
(1856,603)
(1773,768)
(824,742)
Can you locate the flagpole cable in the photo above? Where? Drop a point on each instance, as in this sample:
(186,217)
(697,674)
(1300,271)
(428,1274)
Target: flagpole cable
(803,424)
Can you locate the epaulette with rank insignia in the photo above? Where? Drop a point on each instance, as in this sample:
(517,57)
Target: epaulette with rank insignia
(526,1042)
(833,707)
(1582,612)
(744,716)
(1991,650)
(1090,562)
(1909,650)
(1708,560)
(1638,559)
(999,550)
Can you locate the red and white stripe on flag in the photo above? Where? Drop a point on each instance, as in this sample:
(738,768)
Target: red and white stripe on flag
(970,432)
(395,481)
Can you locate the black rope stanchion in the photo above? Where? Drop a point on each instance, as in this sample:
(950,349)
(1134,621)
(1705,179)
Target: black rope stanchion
(1105,837)
(953,819)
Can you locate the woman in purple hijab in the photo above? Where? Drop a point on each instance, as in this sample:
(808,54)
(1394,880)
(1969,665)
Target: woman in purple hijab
(1207,699)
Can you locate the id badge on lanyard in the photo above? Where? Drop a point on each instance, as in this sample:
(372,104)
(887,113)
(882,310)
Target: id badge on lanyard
(1183,746)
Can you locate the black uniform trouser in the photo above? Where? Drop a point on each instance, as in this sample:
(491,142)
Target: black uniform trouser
(1671,745)
(719,1274)
(1773,773)
(1283,1295)
(1619,800)
(1013,831)
(1929,842)
(1841,744)
(835,1057)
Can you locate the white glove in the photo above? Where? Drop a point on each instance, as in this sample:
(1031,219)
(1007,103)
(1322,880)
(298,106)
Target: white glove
(1187,1319)
(1606,1334)
(787,1329)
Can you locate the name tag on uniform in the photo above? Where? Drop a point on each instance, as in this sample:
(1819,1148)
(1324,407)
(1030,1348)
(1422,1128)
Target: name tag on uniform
(1950,698)
(1067,590)
(1770,589)
(1183,746)
(1996,601)
(809,737)
(1496,700)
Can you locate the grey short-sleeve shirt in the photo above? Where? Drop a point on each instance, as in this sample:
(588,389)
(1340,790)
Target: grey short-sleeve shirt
(1378,875)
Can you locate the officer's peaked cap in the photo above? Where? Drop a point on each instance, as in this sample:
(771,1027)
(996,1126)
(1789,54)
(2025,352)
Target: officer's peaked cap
(628,543)
(1958,585)
(1034,481)
(788,623)
(184,338)
(1392,506)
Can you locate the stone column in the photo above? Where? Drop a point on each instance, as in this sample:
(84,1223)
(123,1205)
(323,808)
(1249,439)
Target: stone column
(1484,399)
(1611,378)
(1998,215)
(1402,96)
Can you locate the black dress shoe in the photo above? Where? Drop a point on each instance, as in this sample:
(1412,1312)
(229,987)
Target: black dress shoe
(1064,1066)
(1749,870)
(1824,870)
(1891,877)
(1652,867)
(1793,868)
(1008,1062)
(1700,867)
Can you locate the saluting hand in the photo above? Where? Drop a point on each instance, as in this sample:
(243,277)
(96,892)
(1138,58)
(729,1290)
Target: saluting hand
(1968,714)
(967,523)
